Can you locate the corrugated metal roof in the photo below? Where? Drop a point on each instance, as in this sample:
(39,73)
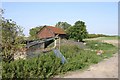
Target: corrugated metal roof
(38,42)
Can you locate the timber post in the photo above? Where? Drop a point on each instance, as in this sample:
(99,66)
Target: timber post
(59,43)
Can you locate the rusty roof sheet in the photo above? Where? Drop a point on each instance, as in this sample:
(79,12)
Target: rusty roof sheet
(56,30)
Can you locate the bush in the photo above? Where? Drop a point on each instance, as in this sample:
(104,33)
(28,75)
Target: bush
(47,65)
(79,60)
(43,66)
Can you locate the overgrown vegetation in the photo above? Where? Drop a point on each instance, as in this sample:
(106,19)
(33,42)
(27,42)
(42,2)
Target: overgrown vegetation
(96,35)
(63,25)
(102,36)
(33,32)
(47,65)
(12,38)
(78,31)
(43,66)
(108,49)
(97,45)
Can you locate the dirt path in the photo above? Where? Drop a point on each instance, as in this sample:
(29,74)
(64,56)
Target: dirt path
(108,68)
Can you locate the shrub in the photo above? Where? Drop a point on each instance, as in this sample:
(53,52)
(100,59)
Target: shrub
(43,66)
(47,65)
(78,59)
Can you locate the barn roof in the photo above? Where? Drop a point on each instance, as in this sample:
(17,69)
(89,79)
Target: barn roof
(56,30)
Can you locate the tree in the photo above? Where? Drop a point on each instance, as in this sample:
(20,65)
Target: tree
(12,35)
(33,32)
(63,25)
(78,31)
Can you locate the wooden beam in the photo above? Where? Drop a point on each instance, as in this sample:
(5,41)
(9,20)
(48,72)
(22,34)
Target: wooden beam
(59,43)
(55,43)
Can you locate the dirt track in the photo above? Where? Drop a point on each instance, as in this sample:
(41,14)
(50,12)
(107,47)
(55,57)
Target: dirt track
(105,69)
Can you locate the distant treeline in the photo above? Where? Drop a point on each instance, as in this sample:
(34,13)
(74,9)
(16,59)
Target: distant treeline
(98,35)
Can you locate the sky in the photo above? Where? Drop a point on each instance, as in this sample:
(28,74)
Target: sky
(99,17)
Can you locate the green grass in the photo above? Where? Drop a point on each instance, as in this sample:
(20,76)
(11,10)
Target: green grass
(104,38)
(108,38)
(99,45)
(108,49)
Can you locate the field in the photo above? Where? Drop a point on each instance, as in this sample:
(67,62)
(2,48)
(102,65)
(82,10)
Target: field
(48,65)
(104,38)
(108,38)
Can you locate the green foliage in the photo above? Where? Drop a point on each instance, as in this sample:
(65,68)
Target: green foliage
(96,35)
(78,31)
(63,25)
(96,45)
(78,58)
(47,65)
(43,66)
(33,32)
(11,38)
(108,49)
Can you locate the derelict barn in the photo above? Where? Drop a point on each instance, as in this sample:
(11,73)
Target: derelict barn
(48,32)
(46,36)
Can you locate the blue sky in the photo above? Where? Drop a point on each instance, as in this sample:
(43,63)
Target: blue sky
(100,17)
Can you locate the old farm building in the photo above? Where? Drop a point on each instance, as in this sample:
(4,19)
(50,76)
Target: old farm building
(50,32)
(46,36)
